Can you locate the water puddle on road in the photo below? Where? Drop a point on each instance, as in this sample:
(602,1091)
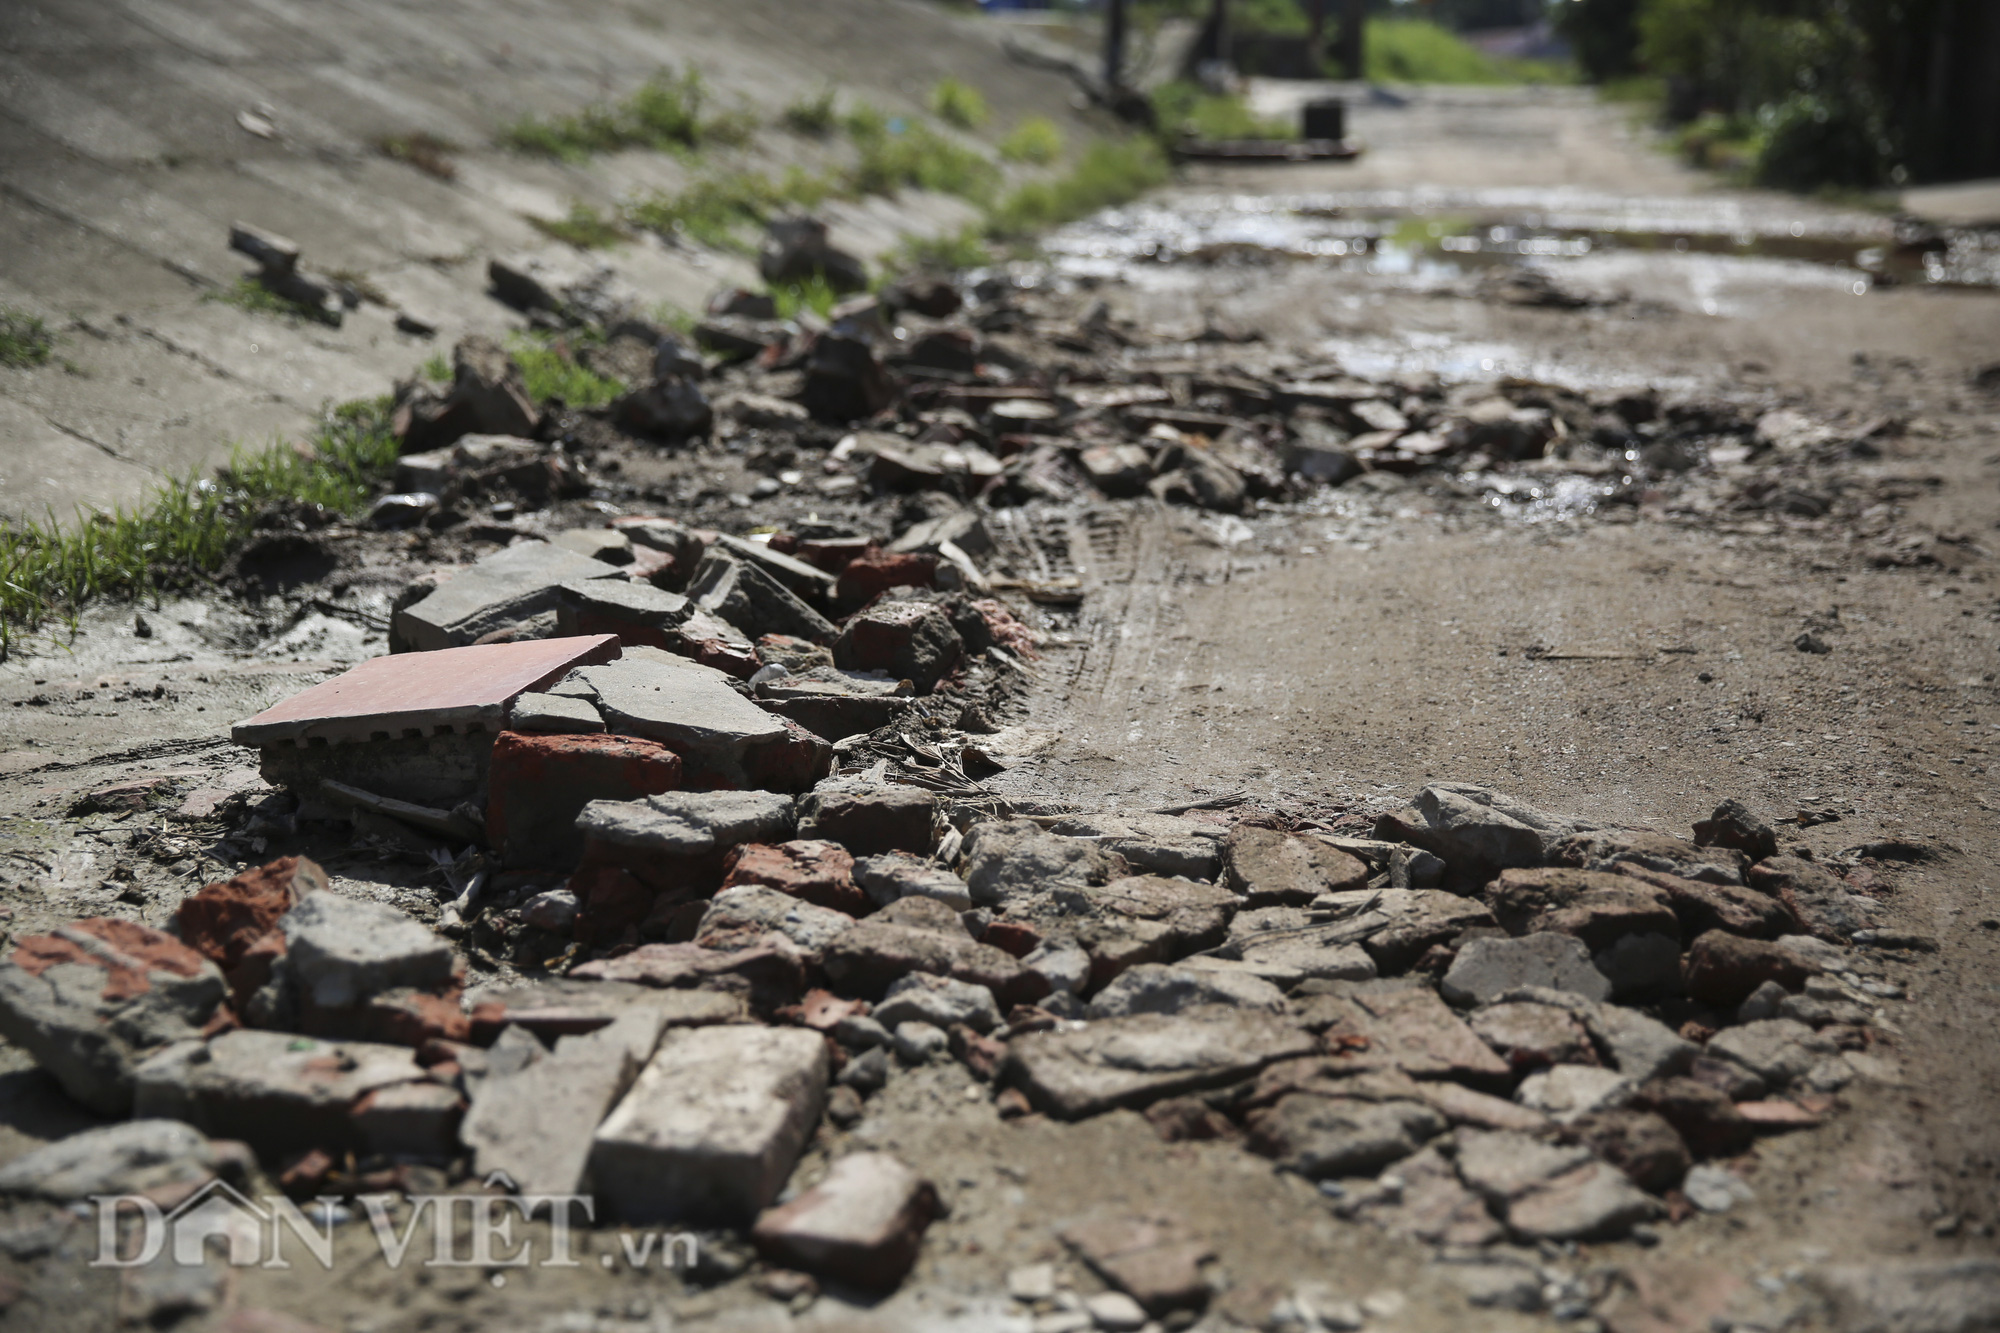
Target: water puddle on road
(1429,237)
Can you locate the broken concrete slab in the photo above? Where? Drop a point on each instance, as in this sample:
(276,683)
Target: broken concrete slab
(713,1125)
(1155,1259)
(896,875)
(1196,916)
(340,951)
(940,1001)
(862,1225)
(536,1123)
(1274,869)
(743,594)
(1003,861)
(1477,830)
(1777,1050)
(868,819)
(555,713)
(1568,1092)
(1371,1025)
(1155,988)
(152,1157)
(722,738)
(1423,1198)
(94,998)
(689,824)
(278,1092)
(554,1007)
(638,614)
(836,704)
(1155,844)
(1084,1070)
(1548,1191)
(1322,1137)
(874,954)
(511,588)
(740,915)
(1487,968)
(767,975)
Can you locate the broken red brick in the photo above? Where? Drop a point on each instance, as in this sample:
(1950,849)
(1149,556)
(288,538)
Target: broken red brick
(224,920)
(1012,937)
(874,572)
(126,950)
(540,783)
(820,873)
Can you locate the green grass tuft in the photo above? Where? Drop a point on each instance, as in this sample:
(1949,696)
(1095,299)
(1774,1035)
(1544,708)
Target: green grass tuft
(549,369)
(1111,171)
(958,104)
(424,151)
(50,570)
(585,227)
(949,253)
(667,112)
(248,294)
(1035,141)
(1187,110)
(813,294)
(895,154)
(25,341)
(812,116)
(437,369)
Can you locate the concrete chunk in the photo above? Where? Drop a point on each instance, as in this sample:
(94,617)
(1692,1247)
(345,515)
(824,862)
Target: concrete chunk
(705,823)
(340,951)
(863,1224)
(689,708)
(750,599)
(554,713)
(277,1092)
(1081,1071)
(713,1126)
(500,590)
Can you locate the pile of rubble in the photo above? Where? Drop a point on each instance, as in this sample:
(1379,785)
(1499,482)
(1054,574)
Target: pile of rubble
(651,761)
(1482,1024)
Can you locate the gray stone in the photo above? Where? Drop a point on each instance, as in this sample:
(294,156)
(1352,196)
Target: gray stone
(804,579)
(1913,1296)
(868,1072)
(893,876)
(1764,1002)
(499,591)
(1715,1189)
(1273,938)
(1135,1061)
(341,951)
(553,910)
(1777,1050)
(1010,860)
(692,710)
(583,605)
(612,547)
(939,1001)
(750,599)
(1605,850)
(1647,964)
(1156,844)
(1274,869)
(962,528)
(94,998)
(554,712)
(1194,916)
(1636,1045)
(1063,962)
(691,823)
(1551,1192)
(713,1125)
(277,1092)
(1155,988)
(916,1042)
(870,819)
(1487,968)
(1423,1198)
(837,704)
(1404,1026)
(536,1123)
(748,911)
(1321,1137)
(1496,1284)
(1567,1092)
(1533,1036)
(135,1157)
(1476,828)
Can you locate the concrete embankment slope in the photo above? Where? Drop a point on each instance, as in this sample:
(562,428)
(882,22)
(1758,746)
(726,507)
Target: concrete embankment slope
(133,133)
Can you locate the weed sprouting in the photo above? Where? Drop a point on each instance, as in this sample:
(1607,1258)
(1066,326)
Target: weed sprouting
(1035,141)
(549,369)
(667,112)
(424,151)
(813,294)
(812,116)
(25,341)
(49,570)
(248,294)
(585,227)
(958,104)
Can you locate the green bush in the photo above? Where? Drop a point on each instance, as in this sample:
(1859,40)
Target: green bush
(958,104)
(1035,141)
(812,116)
(1419,51)
(895,154)
(1814,142)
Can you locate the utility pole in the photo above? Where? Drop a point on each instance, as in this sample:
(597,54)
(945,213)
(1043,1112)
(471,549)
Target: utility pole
(1218,23)
(1114,45)
(1353,23)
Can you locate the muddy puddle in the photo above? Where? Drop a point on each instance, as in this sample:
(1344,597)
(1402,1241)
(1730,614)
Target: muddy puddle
(1431,237)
